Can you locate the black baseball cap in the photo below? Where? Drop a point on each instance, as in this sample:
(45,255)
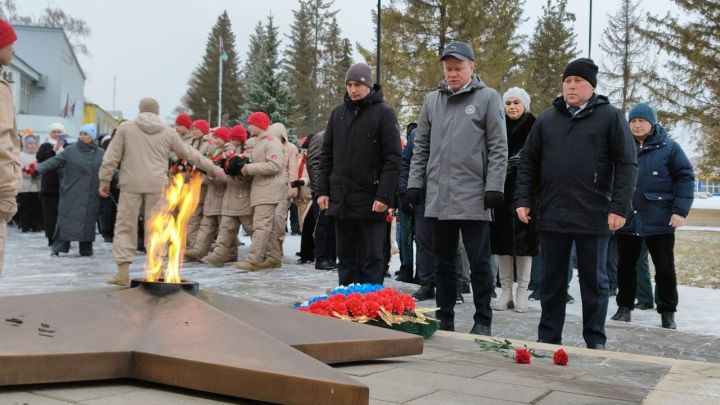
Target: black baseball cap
(457,49)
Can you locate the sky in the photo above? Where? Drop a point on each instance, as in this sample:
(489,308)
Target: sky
(152,47)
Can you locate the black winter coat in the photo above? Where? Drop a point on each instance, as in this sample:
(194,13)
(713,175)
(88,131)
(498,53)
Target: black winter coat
(509,236)
(50,180)
(582,168)
(360,158)
(665,186)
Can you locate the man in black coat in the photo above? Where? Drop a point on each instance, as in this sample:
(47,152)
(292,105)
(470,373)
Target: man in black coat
(580,161)
(359,171)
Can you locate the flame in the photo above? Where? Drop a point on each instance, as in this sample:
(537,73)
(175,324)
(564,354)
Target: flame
(168,228)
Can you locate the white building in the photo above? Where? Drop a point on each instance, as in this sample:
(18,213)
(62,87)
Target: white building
(46,79)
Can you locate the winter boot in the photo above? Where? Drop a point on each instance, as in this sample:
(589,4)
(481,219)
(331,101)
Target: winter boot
(521,294)
(213,261)
(123,275)
(622,314)
(249,266)
(668,320)
(506,281)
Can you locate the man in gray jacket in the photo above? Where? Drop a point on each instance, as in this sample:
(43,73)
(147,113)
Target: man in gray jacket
(459,164)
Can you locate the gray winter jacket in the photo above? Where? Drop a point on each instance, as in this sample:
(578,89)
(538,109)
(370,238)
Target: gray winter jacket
(460,151)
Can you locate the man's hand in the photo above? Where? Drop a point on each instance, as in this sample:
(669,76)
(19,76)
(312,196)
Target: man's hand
(219,173)
(523,214)
(494,199)
(58,145)
(323,202)
(615,221)
(104,190)
(410,200)
(297,183)
(379,206)
(676,221)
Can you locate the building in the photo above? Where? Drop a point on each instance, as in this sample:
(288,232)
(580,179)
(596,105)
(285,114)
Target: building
(105,121)
(46,79)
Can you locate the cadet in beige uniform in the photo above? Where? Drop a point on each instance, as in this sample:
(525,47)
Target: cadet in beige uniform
(267,190)
(289,175)
(141,148)
(199,129)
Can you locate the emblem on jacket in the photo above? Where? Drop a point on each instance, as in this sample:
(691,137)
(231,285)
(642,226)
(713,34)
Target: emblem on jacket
(470,109)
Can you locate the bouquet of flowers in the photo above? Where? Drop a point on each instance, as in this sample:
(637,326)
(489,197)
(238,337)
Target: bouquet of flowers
(30,169)
(375,305)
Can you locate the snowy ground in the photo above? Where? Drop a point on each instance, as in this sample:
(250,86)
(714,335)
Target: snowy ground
(707,203)
(29,269)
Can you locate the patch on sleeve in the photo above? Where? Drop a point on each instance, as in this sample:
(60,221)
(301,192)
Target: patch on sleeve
(273,156)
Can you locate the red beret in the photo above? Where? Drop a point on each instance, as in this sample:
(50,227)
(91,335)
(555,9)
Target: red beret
(201,125)
(238,133)
(183,120)
(7,34)
(222,133)
(259,119)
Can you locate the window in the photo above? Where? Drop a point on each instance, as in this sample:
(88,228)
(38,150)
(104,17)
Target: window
(24,106)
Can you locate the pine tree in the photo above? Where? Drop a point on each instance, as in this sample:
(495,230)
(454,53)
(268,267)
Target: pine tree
(202,95)
(628,54)
(551,48)
(337,59)
(414,33)
(691,93)
(266,86)
(301,70)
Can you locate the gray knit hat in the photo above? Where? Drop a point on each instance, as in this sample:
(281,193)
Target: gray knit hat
(149,105)
(361,73)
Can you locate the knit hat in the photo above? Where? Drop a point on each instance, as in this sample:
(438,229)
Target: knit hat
(149,105)
(222,133)
(644,111)
(583,67)
(28,139)
(183,120)
(238,133)
(520,94)
(361,73)
(201,125)
(56,126)
(459,50)
(7,34)
(259,119)
(89,129)
(27,131)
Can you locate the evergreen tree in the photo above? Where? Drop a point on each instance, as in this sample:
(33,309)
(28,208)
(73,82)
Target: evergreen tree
(337,59)
(415,33)
(202,95)
(301,70)
(627,52)
(692,91)
(266,86)
(551,48)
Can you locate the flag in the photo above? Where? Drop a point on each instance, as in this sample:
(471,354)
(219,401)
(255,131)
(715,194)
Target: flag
(223,54)
(66,107)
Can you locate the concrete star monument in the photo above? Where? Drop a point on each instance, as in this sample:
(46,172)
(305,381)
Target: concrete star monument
(191,339)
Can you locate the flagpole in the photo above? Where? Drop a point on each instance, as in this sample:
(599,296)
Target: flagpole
(220,61)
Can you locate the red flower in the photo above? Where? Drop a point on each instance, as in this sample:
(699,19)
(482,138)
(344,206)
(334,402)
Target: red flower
(389,218)
(560,357)
(522,356)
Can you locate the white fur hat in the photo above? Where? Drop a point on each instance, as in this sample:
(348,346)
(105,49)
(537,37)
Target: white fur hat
(520,94)
(56,126)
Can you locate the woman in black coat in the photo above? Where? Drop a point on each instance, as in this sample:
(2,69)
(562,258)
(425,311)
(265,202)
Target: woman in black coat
(513,241)
(49,191)
(79,197)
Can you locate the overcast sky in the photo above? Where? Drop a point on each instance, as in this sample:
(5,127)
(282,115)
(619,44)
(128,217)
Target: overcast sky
(152,47)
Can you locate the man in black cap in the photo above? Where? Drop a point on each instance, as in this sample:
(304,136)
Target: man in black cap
(458,166)
(359,172)
(577,172)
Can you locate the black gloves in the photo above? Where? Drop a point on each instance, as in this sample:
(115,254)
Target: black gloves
(297,183)
(234,165)
(412,198)
(494,199)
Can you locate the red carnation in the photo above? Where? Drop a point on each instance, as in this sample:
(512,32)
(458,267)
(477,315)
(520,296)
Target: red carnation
(560,357)
(522,356)
(389,218)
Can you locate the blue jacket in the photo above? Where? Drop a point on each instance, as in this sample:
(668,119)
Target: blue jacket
(665,186)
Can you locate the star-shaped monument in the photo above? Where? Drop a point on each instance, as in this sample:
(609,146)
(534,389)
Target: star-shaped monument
(209,342)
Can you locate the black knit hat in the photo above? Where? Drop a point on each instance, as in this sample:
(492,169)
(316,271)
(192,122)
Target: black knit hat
(583,67)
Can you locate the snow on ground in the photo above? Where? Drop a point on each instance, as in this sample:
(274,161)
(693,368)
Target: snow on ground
(712,203)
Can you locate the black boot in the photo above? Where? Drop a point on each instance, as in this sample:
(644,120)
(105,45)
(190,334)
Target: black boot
(325,265)
(479,329)
(446,325)
(622,314)
(465,288)
(535,296)
(596,346)
(644,306)
(405,274)
(425,292)
(668,320)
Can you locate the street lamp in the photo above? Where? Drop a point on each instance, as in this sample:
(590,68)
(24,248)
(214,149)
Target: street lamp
(377,56)
(590,33)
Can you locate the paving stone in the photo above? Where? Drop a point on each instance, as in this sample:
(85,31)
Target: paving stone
(156,397)
(454,398)
(690,384)
(564,398)
(417,381)
(27,398)
(378,402)
(674,398)
(365,369)
(440,367)
(85,391)
(603,390)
